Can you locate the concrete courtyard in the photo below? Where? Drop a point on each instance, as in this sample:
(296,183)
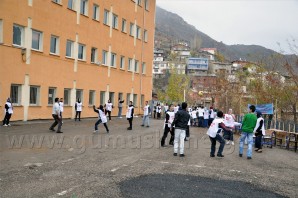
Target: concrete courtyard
(36,162)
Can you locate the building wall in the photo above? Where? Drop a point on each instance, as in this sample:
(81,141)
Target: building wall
(42,69)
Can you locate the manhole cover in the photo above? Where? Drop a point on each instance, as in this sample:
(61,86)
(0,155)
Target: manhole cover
(172,185)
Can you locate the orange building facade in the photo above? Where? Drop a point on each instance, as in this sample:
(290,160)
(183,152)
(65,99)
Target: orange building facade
(90,49)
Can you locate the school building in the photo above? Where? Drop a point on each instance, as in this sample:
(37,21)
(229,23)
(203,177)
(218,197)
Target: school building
(94,50)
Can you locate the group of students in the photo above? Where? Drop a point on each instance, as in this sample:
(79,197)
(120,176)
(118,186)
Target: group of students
(222,125)
(201,117)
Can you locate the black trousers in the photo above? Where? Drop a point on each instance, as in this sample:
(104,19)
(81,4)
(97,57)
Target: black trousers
(130,122)
(109,113)
(6,118)
(57,121)
(78,113)
(165,134)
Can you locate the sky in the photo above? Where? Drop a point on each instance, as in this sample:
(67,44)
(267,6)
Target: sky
(249,22)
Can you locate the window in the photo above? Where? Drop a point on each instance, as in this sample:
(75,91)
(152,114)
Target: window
(1,31)
(111,97)
(57,1)
(18,35)
(113,60)
(136,69)
(94,55)
(15,94)
(102,97)
(69,48)
(51,95)
(123,29)
(145,35)
(106,17)
(115,21)
(79,94)
(34,95)
(142,100)
(129,64)
(138,32)
(122,62)
(135,100)
(146,5)
(82,52)
(104,57)
(36,40)
(144,68)
(120,95)
(84,7)
(95,12)
(66,96)
(131,29)
(139,2)
(54,49)
(91,97)
(71,4)
(127,98)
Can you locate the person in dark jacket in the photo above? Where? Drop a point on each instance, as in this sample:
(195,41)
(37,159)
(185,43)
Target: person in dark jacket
(180,122)
(129,114)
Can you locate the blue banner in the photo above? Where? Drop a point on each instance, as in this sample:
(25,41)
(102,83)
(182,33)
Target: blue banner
(264,108)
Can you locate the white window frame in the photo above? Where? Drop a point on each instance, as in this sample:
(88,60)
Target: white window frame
(37,102)
(135,100)
(143,68)
(136,66)
(138,33)
(113,60)
(84,7)
(71,48)
(127,98)
(91,97)
(139,2)
(83,47)
(115,21)
(71,4)
(131,29)
(22,36)
(53,96)
(130,61)
(146,5)
(19,94)
(122,62)
(112,97)
(142,100)
(80,94)
(66,97)
(104,57)
(40,41)
(57,44)
(146,35)
(94,55)
(102,98)
(96,12)
(123,28)
(106,17)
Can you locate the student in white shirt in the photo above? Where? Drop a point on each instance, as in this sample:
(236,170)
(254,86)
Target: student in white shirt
(101,118)
(206,117)
(229,120)
(259,131)
(109,106)
(61,105)
(194,116)
(147,112)
(211,116)
(129,114)
(200,116)
(214,133)
(78,108)
(56,116)
(170,115)
(8,112)
(158,110)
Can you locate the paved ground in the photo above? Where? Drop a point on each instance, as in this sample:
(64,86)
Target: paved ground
(78,163)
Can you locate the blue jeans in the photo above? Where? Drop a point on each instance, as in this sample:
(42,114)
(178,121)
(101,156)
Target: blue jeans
(206,123)
(213,144)
(120,111)
(249,137)
(146,120)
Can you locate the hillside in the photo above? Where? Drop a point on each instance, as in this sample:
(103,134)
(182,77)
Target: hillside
(171,28)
